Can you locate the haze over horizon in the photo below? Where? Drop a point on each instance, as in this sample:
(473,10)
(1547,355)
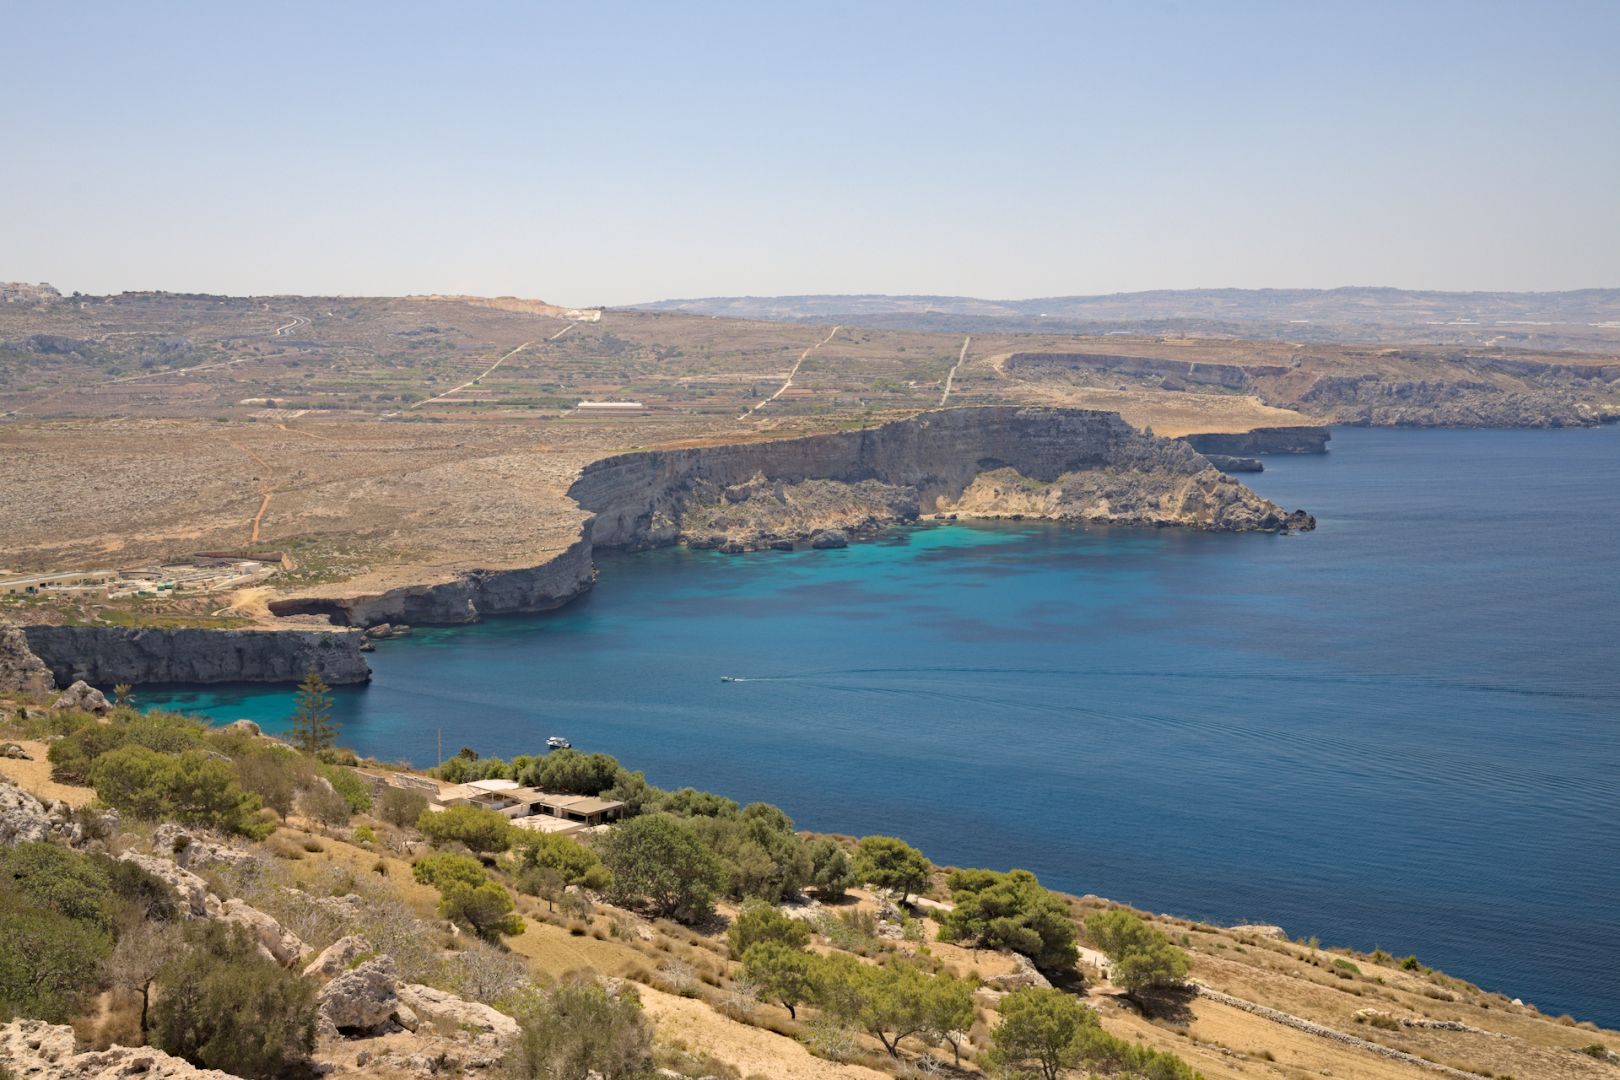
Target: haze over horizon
(638,153)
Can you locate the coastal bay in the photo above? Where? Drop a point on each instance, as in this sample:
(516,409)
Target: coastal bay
(1332,731)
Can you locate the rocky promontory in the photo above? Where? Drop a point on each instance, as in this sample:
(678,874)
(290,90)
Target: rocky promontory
(1060,464)
(1274,440)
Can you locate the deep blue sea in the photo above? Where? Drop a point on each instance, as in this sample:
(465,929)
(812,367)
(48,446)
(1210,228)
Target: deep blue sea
(1402,729)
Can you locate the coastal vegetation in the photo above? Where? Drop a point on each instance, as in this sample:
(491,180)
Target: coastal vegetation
(692,898)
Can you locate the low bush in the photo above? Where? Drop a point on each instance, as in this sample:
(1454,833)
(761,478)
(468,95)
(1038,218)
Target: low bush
(444,868)
(474,827)
(400,807)
(191,787)
(576,1029)
(222,1005)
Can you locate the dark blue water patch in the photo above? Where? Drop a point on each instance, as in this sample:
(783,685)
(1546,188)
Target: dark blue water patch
(1402,729)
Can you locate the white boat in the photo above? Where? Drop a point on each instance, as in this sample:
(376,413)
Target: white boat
(557,742)
(729,678)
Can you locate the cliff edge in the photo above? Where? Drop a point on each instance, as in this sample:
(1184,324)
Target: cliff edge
(1059,464)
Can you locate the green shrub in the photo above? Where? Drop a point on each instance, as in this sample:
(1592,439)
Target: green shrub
(222,1005)
(47,960)
(573,862)
(475,827)
(486,909)
(1046,1033)
(54,878)
(1143,958)
(443,868)
(191,787)
(831,870)
(400,807)
(568,772)
(347,784)
(659,860)
(578,1029)
(760,922)
(1010,911)
(761,856)
(890,863)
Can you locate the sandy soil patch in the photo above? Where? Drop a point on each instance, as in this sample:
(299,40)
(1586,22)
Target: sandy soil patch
(35,776)
(752,1050)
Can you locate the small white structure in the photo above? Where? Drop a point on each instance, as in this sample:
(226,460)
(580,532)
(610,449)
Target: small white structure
(611,406)
(531,808)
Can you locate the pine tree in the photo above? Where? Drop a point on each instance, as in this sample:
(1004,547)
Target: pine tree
(313,728)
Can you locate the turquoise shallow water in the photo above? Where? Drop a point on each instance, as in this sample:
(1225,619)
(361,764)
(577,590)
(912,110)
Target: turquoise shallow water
(1400,730)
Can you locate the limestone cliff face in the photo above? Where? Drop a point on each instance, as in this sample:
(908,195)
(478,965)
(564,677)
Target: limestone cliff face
(1073,464)
(21,672)
(108,655)
(465,598)
(1275,440)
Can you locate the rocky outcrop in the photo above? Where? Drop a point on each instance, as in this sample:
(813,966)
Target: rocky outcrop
(1024,976)
(467,597)
(108,655)
(83,697)
(451,1013)
(1073,464)
(25,819)
(1275,440)
(197,901)
(36,1050)
(276,941)
(190,849)
(337,957)
(21,672)
(1228,464)
(363,1000)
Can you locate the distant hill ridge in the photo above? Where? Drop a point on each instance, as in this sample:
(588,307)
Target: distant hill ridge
(1586,319)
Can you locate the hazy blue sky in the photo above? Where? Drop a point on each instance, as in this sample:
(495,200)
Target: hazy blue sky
(615,153)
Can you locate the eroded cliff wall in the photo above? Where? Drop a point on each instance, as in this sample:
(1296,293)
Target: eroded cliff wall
(466,597)
(1073,464)
(104,656)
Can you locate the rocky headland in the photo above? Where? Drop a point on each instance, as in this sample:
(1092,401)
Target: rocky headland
(1059,464)
(1276,440)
